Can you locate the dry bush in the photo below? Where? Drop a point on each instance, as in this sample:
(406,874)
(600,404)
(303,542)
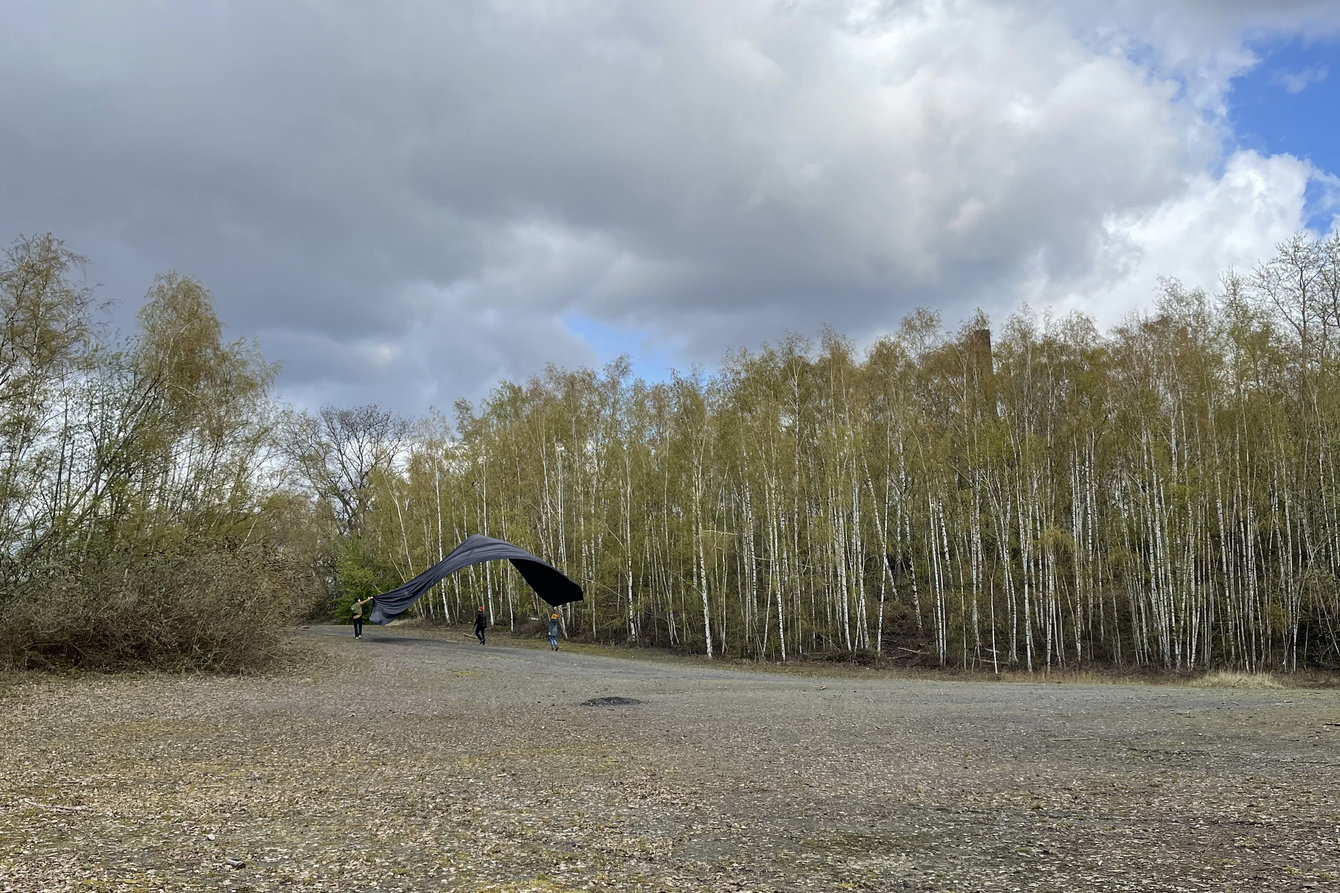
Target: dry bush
(1236,679)
(218,607)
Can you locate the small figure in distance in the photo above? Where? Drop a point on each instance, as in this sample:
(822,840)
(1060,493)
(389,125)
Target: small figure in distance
(357,610)
(481,624)
(553,632)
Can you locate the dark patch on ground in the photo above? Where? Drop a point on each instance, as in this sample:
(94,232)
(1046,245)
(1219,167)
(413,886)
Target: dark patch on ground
(615,701)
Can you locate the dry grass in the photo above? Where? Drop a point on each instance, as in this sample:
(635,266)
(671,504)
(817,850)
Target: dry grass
(1238,679)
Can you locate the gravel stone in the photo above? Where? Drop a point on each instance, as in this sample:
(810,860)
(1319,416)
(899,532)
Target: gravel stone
(413,759)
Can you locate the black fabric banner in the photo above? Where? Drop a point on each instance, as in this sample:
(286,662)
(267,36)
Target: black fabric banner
(548,583)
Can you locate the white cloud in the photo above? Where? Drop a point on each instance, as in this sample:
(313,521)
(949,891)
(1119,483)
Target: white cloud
(1298,81)
(1232,221)
(1203,44)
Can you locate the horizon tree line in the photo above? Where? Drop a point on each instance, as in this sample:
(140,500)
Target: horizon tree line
(1036,495)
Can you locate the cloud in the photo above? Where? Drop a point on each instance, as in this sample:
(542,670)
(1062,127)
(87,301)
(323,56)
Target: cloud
(1229,222)
(407,203)
(1298,81)
(1202,44)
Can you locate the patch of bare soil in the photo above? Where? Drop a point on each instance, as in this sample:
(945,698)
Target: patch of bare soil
(415,760)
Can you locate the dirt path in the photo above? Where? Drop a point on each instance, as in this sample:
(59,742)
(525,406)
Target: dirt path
(413,760)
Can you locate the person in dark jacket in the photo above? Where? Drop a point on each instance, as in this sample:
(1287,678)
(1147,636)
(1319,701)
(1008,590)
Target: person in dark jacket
(481,624)
(356,609)
(553,632)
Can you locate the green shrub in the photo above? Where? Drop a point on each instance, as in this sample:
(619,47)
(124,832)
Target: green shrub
(359,576)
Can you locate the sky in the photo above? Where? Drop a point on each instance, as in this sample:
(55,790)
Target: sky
(406,203)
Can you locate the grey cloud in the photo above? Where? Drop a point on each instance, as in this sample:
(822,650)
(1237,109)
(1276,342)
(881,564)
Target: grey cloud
(404,201)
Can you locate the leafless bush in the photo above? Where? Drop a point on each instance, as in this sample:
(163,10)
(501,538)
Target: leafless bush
(1236,679)
(217,607)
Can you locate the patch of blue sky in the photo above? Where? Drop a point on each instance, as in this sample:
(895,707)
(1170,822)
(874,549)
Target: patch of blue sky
(650,362)
(1288,104)
(1321,204)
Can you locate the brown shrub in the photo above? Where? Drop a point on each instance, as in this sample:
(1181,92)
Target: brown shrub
(218,607)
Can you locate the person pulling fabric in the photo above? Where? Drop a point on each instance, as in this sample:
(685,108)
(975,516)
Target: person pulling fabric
(356,609)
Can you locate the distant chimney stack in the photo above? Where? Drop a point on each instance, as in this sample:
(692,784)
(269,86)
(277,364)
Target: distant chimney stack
(981,368)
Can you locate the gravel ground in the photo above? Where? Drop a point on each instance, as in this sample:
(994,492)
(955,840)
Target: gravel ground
(418,760)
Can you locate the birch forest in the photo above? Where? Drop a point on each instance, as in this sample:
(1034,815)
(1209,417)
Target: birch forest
(1024,494)
(1034,495)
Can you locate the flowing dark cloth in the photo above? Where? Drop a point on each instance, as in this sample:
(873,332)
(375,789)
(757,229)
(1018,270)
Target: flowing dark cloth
(548,583)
